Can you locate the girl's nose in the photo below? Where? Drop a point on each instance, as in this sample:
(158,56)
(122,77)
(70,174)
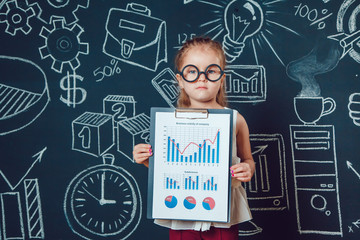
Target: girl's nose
(202,77)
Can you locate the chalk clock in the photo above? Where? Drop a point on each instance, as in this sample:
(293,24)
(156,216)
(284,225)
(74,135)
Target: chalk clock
(103,202)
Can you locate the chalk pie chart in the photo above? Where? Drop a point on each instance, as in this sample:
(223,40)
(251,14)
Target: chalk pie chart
(208,203)
(189,202)
(24,93)
(171,201)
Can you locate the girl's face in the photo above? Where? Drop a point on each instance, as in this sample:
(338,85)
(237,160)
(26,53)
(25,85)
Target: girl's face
(202,93)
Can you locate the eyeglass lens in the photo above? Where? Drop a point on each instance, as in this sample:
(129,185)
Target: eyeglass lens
(191,73)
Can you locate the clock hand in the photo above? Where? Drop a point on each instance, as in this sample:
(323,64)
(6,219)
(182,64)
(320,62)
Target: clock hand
(102,186)
(91,194)
(105,201)
(102,200)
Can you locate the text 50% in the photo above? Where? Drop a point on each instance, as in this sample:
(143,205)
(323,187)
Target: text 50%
(107,71)
(312,15)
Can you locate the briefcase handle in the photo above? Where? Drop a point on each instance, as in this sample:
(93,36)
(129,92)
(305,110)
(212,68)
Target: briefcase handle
(138,8)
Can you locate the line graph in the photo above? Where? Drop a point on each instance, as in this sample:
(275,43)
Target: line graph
(196,145)
(171,181)
(210,183)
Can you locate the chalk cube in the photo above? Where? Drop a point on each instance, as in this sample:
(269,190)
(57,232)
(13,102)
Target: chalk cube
(131,131)
(93,133)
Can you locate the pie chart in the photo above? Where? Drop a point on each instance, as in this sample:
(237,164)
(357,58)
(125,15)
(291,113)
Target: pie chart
(208,203)
(189,202)
(24,93)
(171,201)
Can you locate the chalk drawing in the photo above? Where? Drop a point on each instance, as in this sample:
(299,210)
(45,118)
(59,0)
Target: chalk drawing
(119,106)
(165,83)
(17,18)
(249,228)
(92,133)
(267,189)
(347,25)
(313,146)
(107,70)
(63,45)
(103,202)
(316,179)
(349,165)
(355,224)
(131,131)
(74,95)
(324,57)
(354,113)
(54,9)
(245,83)
(309,110)
(38,158)
(132,33)
(12,220)
(313,15)
(34,215)
(242,20)
(245,22)
(21,103)
(188,1)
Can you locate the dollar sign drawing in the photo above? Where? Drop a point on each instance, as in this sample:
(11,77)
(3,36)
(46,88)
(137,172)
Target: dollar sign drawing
(68,84)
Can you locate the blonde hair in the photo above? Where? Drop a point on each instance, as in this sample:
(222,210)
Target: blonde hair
(184,100)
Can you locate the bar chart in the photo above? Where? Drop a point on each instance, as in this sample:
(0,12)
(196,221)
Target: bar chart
(202,148)
(191,182)
(172,181)
(210,183)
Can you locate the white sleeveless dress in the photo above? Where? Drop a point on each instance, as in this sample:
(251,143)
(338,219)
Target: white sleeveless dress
(240,211)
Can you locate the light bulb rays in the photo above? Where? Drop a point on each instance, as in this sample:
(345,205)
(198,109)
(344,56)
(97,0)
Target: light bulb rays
(282,26)
(247,22)
(272,49)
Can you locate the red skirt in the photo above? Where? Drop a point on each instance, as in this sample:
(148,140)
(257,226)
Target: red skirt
(213,233)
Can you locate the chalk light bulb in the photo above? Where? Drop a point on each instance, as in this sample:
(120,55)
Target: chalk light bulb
(243,19)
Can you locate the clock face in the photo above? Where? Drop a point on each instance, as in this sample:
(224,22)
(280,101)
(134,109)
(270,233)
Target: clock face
(103,202)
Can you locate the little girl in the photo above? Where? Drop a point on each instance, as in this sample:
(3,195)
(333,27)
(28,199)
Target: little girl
(201,62)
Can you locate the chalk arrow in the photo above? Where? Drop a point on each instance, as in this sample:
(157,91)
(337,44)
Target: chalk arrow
(349,165)
(38,157)
(357,223)
(260,149)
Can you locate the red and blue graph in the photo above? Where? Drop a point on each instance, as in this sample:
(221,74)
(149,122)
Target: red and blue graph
(172,181)
(191,182)
(210,183)
(189,202)
(206,151)
(208,203)
(171,201)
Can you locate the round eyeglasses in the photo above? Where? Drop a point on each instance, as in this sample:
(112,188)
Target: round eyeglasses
(191,73)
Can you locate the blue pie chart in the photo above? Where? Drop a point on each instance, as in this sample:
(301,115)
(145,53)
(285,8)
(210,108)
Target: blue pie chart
(189,202)
(171,201)
(208,203)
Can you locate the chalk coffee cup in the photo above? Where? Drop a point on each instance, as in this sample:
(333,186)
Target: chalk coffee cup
(310,109)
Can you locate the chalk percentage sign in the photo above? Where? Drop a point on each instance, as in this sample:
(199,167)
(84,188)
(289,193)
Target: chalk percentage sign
(115,68)
(313,15)
(320,21)
(107,71)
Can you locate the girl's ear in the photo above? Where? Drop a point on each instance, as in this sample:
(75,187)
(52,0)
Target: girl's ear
(223,79)
(178,78)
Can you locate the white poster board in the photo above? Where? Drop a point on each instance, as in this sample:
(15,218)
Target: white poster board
(189,172)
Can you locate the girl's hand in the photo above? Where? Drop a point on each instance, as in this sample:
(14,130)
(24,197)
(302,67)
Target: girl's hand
(241,171)
(141,153)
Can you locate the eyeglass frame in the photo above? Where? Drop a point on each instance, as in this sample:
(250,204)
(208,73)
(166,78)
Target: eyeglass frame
(202,72)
